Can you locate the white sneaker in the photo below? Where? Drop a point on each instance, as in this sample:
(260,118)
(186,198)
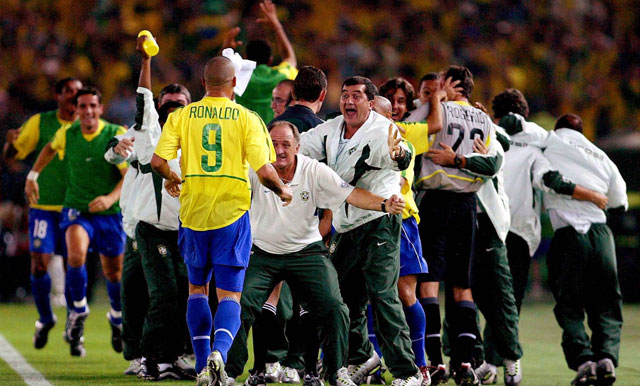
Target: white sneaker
(290,375)
(415,380)
(343,378)
(273,373)
(204,378)
(359,373)
(512,372)
(487,373)
(215,365)
(134,367)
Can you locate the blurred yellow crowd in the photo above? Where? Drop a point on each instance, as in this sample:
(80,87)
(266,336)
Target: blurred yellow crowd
(577,56)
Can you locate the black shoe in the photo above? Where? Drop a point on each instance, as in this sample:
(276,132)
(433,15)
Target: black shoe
(149,370)
(605,372)
(586,374)
(116,334)
(41,335)
(256,379)
(75,333)
(465,376)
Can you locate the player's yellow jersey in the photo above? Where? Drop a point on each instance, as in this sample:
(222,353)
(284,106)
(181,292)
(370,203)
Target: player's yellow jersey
(417,133)
(410,207)
(219,139)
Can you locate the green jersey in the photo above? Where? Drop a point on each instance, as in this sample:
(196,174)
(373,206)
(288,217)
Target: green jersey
(257,96)
(35,133)
(90,175)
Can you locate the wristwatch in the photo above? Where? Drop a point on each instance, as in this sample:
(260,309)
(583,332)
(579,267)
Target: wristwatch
(457,161)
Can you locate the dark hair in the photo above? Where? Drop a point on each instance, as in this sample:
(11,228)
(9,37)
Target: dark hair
(294,128)
(464,76)
(393,84)
(370,89)
(87,90)
(259,51)
(429,76)
(509,101)
(288,82)
(309,84)
(59,86)
(174,88)
(569,121)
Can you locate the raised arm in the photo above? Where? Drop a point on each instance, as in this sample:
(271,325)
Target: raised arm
(270,16)
(145,69)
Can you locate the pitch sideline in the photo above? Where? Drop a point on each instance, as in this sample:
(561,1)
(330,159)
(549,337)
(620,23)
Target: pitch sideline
(20,365)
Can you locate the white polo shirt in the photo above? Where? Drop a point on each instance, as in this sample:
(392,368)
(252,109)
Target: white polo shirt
(287,229)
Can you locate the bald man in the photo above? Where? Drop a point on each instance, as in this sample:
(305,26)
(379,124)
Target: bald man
(219,139)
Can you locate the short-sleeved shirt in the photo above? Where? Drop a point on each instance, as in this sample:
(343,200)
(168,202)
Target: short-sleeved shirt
(264,79)
(287,229)
(35,133)
(90,175)
(219,139)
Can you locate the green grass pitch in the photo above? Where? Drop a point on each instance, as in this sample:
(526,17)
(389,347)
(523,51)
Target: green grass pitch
(543,363)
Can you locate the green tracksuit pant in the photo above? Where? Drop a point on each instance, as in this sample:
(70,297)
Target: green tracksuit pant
(285,344)
(492,288)
(584,279)
(135,300)
(367,259)
(165,330)
(313,278)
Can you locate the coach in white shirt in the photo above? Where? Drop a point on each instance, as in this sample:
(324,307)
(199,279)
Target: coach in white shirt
(582,258)
(287,245)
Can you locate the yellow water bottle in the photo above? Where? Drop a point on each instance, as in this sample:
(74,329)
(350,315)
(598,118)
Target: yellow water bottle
(150,46)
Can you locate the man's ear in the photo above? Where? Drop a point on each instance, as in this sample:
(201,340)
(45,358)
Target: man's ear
(233,81)
(323,94)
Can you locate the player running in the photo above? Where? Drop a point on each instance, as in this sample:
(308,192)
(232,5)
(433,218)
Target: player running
(91,214)
(45,236)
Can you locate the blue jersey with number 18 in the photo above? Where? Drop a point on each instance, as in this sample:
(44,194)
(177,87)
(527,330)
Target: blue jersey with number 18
(219,139)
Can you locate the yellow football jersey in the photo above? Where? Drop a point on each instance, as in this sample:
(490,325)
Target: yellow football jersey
(410,207)
(219,139)
(417,133)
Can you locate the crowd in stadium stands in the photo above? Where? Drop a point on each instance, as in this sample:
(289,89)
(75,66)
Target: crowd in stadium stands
(578,56)
(570,55)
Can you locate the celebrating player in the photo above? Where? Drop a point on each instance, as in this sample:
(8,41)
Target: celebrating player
(91,214)
(45,236)
(219,139)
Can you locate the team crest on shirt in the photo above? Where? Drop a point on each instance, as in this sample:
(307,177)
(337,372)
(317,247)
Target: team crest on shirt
(134,245)
(37,243)
(304,195)
(352,150)
(344,185)
(162,250)
(332,247)
(73,214)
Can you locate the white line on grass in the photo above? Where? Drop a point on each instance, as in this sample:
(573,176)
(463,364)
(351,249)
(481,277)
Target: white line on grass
(20,365)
